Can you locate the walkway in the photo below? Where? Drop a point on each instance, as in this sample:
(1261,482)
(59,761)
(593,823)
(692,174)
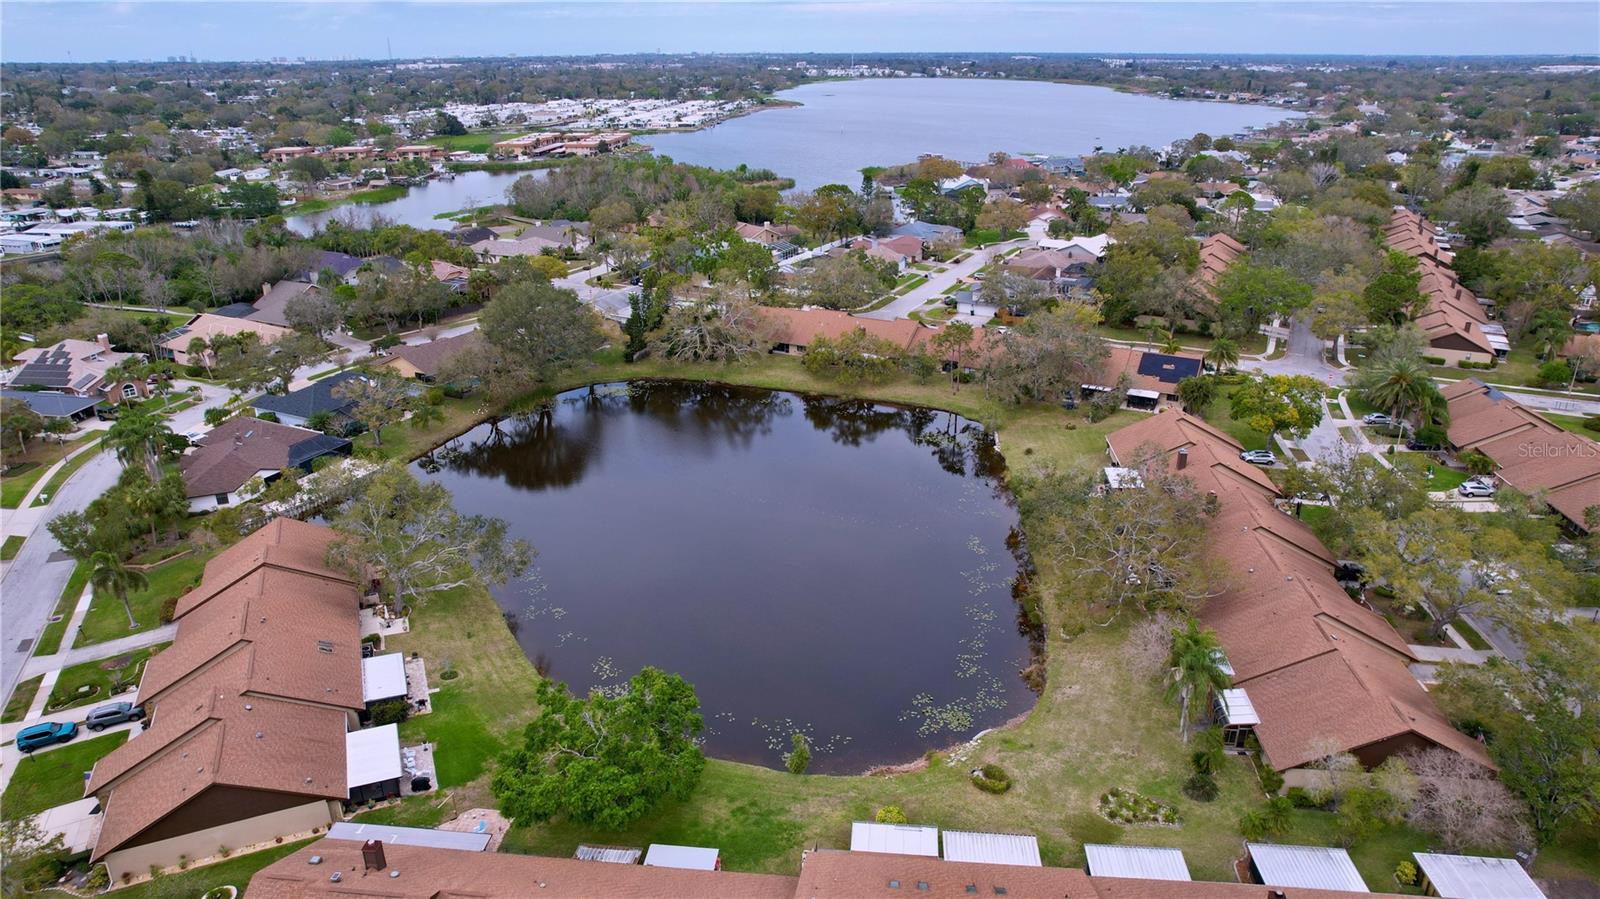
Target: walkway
(933,289)
(97,651)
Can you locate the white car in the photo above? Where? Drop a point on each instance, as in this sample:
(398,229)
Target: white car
(1376,419)
(1259,457)
(1475,488)
(194,437)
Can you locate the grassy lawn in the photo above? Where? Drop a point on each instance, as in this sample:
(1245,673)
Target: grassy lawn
(54,777)
(50,640)
(14,487)
(1252,345)
(57,480)
(1220,415)
(107,620)
(1471,635)
(21,699)
(103,678)
(12,546)
(235,871)
(472,143)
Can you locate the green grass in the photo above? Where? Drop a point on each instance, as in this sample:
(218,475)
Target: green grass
(385,194)
(21,699)
(1220,415)
(1358,405)
(14,488)
(102,677)
(910,285)
(1470,634)
(55,776)
(59,479)
(107,620)
(479,142)
(235,871)
(1253,344)
(11,547)
(50,640)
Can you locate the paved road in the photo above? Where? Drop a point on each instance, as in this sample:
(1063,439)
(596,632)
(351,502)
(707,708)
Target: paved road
(934,287)
(1305,356)
(34,581)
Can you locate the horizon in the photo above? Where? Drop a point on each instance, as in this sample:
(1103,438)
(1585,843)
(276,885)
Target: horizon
(153,31)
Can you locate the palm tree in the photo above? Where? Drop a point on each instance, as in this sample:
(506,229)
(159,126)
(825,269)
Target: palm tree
(1197,393)
(1400,384)
(1209,752)
(108,572)
(1170,344)
(1196,669)
(1223,354)
(139,436)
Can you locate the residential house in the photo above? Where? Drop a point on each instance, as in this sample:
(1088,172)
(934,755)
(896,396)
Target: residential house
(927,232)
(81,368)
(285,154)
(243,449)
(1312,670)
(456,276)
(298,406)
(53,404)
(208,326)
(347,154)
(272,307)
(427,152)
(952,186)
(1152,378)
(341,266)
(1455,321)
(499,248)
(424,361)
(1530,453)
(1051,266)
(248,710)
(796,329)
(767,234)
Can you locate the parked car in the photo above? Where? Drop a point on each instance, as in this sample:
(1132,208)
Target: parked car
(47,734)
(1418,446)
(1259,457)
(1377,419)
(1475,488)
(113,714)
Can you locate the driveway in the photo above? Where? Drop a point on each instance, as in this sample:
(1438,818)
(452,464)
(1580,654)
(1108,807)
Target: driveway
(1305,355)
(934,288)
(11,757)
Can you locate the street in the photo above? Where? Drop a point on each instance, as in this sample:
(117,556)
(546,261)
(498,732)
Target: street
(933,289)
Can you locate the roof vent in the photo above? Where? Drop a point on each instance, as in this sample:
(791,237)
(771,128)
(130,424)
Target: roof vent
(394,872)
(308,780)
(314,860)
(325,646)
(248,707)
(259,734)
(335,877)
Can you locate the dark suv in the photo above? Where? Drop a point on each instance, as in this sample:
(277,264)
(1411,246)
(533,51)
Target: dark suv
(110,715)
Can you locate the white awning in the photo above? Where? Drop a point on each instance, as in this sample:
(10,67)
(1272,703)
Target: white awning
(383,677)
(1237,711)
(896,839)
(1143,862)
(694,858)
(992,848)
(1099,388)
(1144,394)
(1477,877)
(1308,867)
(371,755)
(409,836)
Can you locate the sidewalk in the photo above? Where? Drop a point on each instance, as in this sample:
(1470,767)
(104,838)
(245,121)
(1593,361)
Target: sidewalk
(25,517)
(96,651)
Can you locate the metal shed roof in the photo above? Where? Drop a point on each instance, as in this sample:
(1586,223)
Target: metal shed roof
(409,836)
(372,755)
(383,677)
(615,855)
(992,848)
(1477,877)
(899,839)
(694,858)
(1312,867)
(1144,862)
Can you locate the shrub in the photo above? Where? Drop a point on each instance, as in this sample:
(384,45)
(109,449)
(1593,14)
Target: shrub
(1253,825)
(385,342)
(193,371)
(390,711)
(1271,781)
(1592,423)
(99,878)
(799,758)
(434,396)
(268,416)
(1405,874)
(890,814)
(1553,373)
(991,779)
(1434,360)
(169,607)
(1300,797)
(1124,806)
(1201,787)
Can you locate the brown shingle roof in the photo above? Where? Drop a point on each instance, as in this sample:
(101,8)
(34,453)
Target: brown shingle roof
(429,358)
(240,448)
(799,327)
(281,543)
(1213,462)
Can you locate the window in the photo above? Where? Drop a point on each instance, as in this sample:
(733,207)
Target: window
(221,498)
(894,884)
(129,391)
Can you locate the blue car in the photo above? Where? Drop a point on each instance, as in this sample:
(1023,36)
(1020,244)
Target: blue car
(42,735)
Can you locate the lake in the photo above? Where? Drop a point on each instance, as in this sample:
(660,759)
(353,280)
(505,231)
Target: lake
(420,204)
(840,568)
(844,126)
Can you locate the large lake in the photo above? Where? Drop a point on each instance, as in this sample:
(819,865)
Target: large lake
(834,567)
(844,126)
(420,205)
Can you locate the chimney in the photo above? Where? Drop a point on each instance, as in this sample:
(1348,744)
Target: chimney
(265,289)
(104,340)
(1183,457)
(372,856)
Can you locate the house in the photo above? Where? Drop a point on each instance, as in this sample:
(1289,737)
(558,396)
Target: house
(952,186)
(796,329)
(927,232)
(1310,867)
(285,154)
(427,152)
(424,361)
(1217,252)
(272,307)
(52,404)
(1152,378)
(1312,670)
(897,251)
(449,272)
(1455,321)
(426,870)
(342,266)
(1474,877)
(247,709)
(241,450)
(1050,265)
(81,368)
(767,234)
(466,237)
(208,326)
(346,154)
(498,248)
(1530,453)
(298,406)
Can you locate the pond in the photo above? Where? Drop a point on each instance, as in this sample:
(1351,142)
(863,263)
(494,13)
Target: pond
(840,568)
(420,205)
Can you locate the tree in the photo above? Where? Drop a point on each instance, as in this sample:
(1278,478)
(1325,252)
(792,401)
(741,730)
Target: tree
(607,759)
(417,543)
(857,357)
(541,327)
(1393,297)
(315,312)
(381,398)
(446,124)
(841,282)
(799,756)
(1339,307)
(952,344)
(726,327)
(1402,385)
(1004,215)
(18,422)
(140,437)
(1196,669)
(1461,804)
(1273,403)
(1249,293)
(1480,213)
(1224,354)
(1580,207)
(1197,393)
(1047,356)
(33,858)
(108,573)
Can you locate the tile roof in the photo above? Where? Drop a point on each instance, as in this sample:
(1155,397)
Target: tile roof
(235,451)
(72,365)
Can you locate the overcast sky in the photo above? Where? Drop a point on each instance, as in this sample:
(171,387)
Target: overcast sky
(58,30)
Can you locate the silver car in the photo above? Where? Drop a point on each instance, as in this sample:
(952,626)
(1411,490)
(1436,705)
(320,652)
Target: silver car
(112,714)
